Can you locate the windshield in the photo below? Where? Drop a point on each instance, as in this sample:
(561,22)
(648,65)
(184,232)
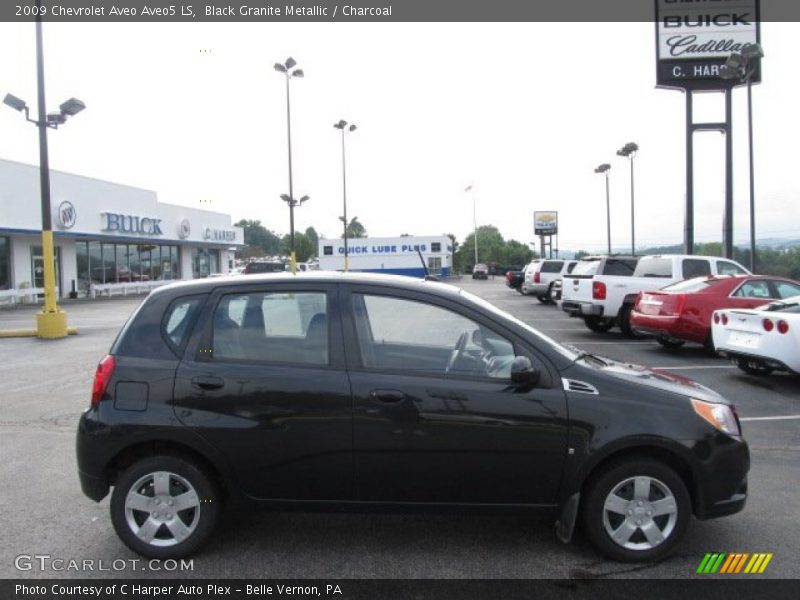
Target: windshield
(790,305)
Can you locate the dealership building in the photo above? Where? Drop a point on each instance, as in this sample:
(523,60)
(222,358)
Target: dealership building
(105,233)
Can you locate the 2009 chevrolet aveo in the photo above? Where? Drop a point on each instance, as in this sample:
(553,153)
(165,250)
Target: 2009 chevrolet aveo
(335,391)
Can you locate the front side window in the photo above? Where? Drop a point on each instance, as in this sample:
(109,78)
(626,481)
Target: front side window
(415,337)
(282,327)
(786,289)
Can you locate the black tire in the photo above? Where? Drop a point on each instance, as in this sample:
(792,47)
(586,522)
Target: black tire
(625,322)
(598,325)
(620,476)
(543,299)
(198,521)
(753,366)
(670,344)
(709,347)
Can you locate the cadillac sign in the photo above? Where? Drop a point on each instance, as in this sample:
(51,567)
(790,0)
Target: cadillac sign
(694,38)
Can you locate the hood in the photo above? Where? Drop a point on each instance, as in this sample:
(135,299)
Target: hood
(662,380)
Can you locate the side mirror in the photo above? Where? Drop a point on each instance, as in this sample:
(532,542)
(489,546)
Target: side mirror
(523,372)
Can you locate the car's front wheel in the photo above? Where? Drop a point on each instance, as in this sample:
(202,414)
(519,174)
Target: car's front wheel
(636,510)
(164,506)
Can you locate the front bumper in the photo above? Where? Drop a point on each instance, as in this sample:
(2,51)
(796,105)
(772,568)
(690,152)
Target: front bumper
(721,476)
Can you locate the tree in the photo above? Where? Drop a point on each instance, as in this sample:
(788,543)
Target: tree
(303,247)
(355,229)
(313,237)
(255,234)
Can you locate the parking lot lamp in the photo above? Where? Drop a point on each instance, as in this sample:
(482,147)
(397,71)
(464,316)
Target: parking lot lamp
(742,66)
(342,125)
(605,168)
(289,71)
(471,188)
(628,151)
(51,322)
(292,202)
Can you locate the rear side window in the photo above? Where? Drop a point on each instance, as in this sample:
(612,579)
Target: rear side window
(571,267)
(178,321)
(695,267)
(552,266)
(620,266)
(654,267)
(281,327)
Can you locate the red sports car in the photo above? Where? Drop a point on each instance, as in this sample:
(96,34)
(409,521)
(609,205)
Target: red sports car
(681,312)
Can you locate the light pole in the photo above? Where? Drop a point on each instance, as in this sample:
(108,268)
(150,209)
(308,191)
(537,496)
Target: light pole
(629,151)
(605,168)
(470,188)
(292,202)
(743,66)
(289,71)
(342,125)
(51,323)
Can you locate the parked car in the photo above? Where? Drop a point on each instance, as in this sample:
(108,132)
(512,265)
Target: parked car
(332,391)
(763,340)
(255,267)
(514,278)
(681,312)
(606,299)
(480,271)
(587,286)
(540,278)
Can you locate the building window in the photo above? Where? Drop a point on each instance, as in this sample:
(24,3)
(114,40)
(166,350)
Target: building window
(436,247)
(5,263)
(327,250)
(205,261)
(124,263)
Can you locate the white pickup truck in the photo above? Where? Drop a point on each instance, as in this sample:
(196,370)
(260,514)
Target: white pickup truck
(602,290)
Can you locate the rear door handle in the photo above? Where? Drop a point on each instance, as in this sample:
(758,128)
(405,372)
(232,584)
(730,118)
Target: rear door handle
(389,396)
(208,383)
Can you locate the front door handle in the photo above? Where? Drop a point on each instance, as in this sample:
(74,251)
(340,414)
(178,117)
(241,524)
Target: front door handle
(208,383)
(388,396)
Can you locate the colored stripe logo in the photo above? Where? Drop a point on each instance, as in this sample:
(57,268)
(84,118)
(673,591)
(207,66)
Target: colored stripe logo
(734,562)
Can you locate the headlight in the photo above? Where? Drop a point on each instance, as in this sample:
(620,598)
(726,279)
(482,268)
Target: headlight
(720,416)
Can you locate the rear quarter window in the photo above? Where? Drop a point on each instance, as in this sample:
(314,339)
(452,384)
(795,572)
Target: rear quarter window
(619,266)
(178,321)
(654,267)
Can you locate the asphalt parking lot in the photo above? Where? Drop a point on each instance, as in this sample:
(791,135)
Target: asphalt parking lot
(46,385)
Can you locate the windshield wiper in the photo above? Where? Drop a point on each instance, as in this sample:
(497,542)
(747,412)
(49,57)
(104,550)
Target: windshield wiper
(581,354)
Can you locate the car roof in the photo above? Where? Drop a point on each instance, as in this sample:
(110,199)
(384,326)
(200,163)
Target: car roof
(196,286)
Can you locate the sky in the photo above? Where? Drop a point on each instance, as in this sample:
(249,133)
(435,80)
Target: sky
(524,112)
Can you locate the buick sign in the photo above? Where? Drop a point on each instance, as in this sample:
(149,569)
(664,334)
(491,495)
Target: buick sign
(119,223)
(66,215)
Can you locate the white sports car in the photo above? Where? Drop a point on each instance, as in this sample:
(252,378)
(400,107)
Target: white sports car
(761,340)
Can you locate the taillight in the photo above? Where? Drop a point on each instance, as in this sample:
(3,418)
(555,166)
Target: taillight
(783,326)
(672,304)
(105,369)
(724,319)
(598,290)
(716,319)
(768,325)
(537,277)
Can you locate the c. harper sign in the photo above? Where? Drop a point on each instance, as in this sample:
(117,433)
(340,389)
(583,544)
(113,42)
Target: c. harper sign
(695,37)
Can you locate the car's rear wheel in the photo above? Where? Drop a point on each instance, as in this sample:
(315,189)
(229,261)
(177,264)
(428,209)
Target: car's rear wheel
(164,506)
(670,343)
(752,366)
(636,510)
(543,299)
(598,324)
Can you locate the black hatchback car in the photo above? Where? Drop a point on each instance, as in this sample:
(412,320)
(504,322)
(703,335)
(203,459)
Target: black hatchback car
(351,391)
